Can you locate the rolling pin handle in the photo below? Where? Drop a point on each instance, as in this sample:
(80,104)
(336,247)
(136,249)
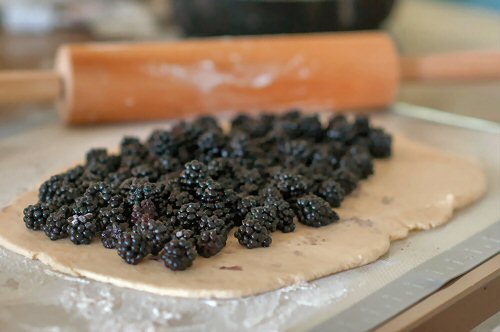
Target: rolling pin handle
(29,86)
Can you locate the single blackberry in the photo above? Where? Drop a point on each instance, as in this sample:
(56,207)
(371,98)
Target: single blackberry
(362,125)
(220,210)
(178,255)
(211,144)
(137,190)
(295,152)
(206,123)
(115,212)
(193,173)
(253,234)
(132,146)
(74,174)
(58,191)
(209,243)
(209,191)
(132,247)
(82,228)
(340,130)
(245,204)
(362,161)
(284,213)
(332,192)
(86,204)
(185,234)
(314,211)
(158,233)
(57,225)
(220,167)
(189,215)
(168,164)
(145,171)
(143,211)
(162,142)
(289,124)
(267,215)
(212,223)
(291,185)
(178,197)
(36,215)
(100,164)
(269,192)
(109,237)
(249,180)
(347,179)
(96,155)
(101,192)
(310,127)
(380,143)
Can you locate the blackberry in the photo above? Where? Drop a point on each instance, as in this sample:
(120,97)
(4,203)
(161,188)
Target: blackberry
(380,143)
(36,215)
(162,142)
(284,212)
(332,192)
(158,233)
(146,172)
(210,191)
(137,190)
(362,125)
(57,224)
(220,167)
(314,211)
(82,228)
(347,180)
(168,164)
(253,234)
(86,204)
(269,192)
(178,255)
(211,145)
(210,243)
(340,130)
(310,127)
(249,180)
(177,198)
(109,237)
(359,162)
(193,173)
(207,123)
(289,124)
(212,223)
(101,192)
(100,164)
(132,247)
(189,215)
(58,191)
(267,215)
(185,234)
(296,152)
(74,174)
(132,146)
(143,211)
(115,212)
(291,185)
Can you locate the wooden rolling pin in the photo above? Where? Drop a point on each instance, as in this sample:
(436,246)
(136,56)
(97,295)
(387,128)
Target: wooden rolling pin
(124,82)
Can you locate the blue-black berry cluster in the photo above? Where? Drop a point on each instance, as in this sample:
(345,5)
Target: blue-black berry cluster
(178,194)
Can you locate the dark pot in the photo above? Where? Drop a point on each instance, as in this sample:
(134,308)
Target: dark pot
(249,17)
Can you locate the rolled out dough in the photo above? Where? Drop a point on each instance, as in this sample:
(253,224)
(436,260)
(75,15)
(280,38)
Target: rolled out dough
(417,189)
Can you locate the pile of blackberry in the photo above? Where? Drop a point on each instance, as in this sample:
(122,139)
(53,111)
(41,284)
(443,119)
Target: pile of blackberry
(178,194)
